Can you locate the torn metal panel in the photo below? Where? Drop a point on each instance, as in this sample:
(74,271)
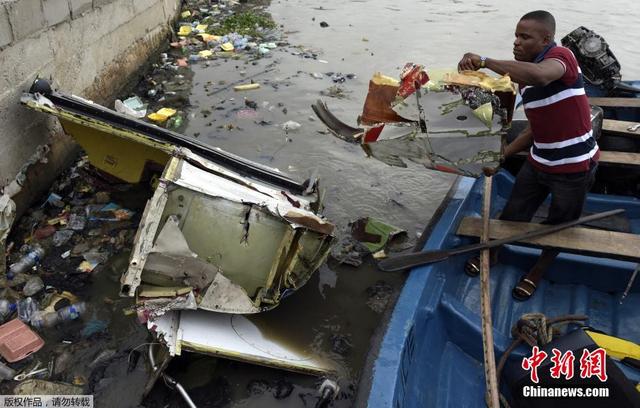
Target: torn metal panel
(199,174)
(7,216)
(171,262)
(454,123)
(238,338)
(169,270)
(306,196)
(250,233)
(171,242)
(377,105)
(154,307)
(374,234)
(148,291)
(143,240)
(225,296)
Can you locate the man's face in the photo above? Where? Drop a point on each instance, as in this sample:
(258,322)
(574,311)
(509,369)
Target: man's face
(531,38)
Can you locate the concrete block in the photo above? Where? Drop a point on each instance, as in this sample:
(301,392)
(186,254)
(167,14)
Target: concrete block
(6,36)
(23,60)
(92,24)
(55,11)
(18,122)
(78,7)
(26,17)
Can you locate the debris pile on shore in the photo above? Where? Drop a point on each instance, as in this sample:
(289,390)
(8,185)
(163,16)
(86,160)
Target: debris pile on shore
(59,290)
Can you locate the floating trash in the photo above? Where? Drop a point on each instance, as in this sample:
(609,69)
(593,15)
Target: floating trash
(291,126)
(247,87)
(184,31)
(162,115)
(227,46)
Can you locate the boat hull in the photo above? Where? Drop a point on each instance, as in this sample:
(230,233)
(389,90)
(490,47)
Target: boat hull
(431,354)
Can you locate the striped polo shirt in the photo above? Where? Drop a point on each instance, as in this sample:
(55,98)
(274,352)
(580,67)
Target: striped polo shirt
(560,119)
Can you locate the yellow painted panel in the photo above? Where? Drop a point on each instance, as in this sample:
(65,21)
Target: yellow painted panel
(122,158)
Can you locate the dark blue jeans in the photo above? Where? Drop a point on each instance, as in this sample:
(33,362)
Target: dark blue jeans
(568,194)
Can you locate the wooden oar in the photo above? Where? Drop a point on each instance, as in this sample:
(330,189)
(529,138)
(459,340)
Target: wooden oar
(401,262)
(491,379)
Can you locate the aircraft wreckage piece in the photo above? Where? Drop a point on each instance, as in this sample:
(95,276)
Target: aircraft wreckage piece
(453,122)
(220,233)
(128,149)
(239,338)
(239,245)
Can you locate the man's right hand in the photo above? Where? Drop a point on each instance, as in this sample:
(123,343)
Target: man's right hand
(469,62)
(490,171)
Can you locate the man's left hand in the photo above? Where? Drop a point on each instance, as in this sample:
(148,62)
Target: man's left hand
(469,62)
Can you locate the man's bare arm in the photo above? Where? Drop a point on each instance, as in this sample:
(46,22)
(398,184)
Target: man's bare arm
(528,73)
(522,142)
(524,73)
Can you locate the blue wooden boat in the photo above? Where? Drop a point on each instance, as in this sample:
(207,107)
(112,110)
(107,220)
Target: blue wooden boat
(431,354)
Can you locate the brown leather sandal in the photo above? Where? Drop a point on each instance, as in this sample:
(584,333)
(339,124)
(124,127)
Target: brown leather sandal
(472,267)
(520,292)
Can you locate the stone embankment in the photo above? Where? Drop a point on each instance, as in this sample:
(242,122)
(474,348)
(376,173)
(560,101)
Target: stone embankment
(88,48)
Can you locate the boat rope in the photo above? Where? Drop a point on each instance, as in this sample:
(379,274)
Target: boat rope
(535,329)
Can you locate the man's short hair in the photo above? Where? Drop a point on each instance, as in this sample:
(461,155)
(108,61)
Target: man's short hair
(543,17)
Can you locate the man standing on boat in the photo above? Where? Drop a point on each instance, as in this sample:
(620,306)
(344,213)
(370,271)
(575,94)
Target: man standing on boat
(563,153)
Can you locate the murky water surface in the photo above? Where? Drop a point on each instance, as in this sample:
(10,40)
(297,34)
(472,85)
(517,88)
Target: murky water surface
(333,313)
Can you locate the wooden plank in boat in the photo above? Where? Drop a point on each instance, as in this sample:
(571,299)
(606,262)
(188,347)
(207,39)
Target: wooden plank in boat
(615,102)
(620,158)
(621,127)
(580,240)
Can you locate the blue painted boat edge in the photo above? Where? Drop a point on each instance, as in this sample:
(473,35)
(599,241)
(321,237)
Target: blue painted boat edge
(423,292)
(387,367)
(389,371)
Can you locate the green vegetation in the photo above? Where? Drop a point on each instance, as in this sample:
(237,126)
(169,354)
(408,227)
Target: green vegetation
(245,23)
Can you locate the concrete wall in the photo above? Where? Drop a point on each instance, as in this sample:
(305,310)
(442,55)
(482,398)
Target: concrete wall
(87,47)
